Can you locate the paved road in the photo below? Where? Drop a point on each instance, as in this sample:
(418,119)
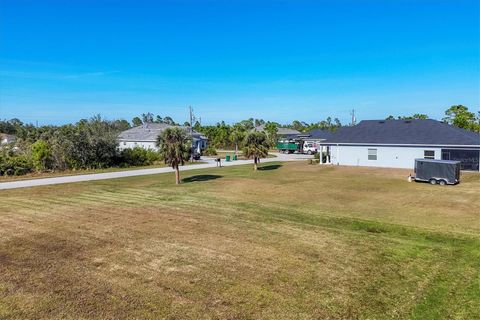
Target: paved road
(131,173)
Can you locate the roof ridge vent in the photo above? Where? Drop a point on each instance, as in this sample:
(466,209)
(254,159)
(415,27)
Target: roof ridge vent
(381,121)
(408,121)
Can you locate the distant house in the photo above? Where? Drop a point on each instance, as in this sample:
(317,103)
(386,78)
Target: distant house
(145,136)
(315,137)
(396,143)
(281,131)
(7,138)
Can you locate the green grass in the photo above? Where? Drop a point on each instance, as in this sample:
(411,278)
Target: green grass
(293,242)
(223,153)
(64,173)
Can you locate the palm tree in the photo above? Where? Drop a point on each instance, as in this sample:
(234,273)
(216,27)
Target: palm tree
(175,147)
(256,147)
(237,135)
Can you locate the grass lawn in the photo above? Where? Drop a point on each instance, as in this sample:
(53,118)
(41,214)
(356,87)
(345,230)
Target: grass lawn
(40,175)
(222,154)
(292,241)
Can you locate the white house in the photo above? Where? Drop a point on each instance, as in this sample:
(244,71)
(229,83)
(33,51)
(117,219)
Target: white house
(397,143)
(7,138)
(145,136)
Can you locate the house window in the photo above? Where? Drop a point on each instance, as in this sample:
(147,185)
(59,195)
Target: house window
(124,143)
(372,154)
(429,154)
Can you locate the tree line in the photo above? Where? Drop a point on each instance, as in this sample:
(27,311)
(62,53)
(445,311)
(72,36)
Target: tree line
(87,144)
(92,143)
(457,115)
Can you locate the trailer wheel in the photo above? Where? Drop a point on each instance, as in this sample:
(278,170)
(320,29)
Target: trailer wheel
(433,181)
(442,182)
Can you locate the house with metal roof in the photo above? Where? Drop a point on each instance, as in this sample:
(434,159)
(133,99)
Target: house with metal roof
(397,143)
(145,136)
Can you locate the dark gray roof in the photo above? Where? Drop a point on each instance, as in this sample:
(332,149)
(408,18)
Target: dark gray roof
(319,134)
(150,132)
(405,132)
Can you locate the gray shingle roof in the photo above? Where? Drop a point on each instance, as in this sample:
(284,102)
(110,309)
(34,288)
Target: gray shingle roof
(150,132)
(319,134)
(407,132)
(280,130)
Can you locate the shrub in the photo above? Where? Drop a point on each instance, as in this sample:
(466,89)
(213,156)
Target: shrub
(138,157)
(15,165)
(210,151)
(41,155)
(152,157)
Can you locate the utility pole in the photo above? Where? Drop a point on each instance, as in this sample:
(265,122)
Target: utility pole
(191,131)
(354,120)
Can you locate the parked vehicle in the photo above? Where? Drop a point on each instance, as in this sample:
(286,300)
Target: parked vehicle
(440,172)
(309,147)
(290,146)
(296,145)
(196,156)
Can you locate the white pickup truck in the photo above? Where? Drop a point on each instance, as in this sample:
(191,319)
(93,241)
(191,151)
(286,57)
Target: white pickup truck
(309,147)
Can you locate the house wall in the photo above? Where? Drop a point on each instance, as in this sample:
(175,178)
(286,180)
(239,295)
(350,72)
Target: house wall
(151,145)
(390,157)
(132,144)
(6,140)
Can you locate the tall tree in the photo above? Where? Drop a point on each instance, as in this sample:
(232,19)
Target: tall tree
(169,120)
(147,117)
(297,125)
(237,135)
(271,129)
(415,116)
(197,126)
(175,147)
(137,122)
(259,122)
(247,124)
(256,147)
(121,125)
(461,117)
(41,155)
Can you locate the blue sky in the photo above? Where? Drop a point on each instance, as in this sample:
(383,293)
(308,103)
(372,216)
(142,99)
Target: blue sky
(278,60)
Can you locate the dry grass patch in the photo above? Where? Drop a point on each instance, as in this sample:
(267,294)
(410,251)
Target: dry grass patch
(297,242)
